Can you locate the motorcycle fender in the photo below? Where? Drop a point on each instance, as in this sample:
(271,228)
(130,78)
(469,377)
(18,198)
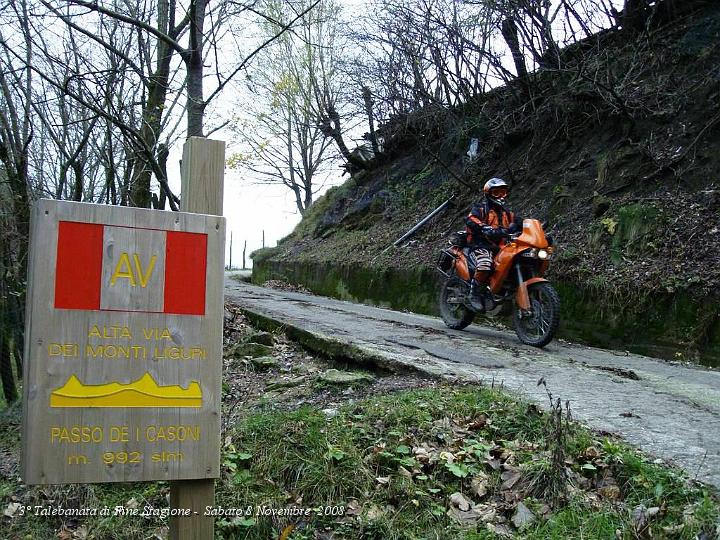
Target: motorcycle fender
(521,296)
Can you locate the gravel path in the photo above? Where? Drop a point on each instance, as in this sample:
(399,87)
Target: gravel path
(668,410)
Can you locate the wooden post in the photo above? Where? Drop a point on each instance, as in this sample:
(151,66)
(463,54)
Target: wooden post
(202,175)
(244,248)
(230,265)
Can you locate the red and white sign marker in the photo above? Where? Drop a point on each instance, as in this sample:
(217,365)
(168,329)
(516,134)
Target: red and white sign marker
(105,268)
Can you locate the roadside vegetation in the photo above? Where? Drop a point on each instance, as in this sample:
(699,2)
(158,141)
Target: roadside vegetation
(453,463)
(383,456)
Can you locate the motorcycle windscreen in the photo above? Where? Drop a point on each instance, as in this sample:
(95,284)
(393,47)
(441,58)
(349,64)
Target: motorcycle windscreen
(533,234)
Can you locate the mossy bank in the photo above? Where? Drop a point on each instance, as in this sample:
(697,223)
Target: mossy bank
(631,193)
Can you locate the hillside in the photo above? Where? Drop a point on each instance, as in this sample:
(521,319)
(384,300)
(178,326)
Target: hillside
(618,150)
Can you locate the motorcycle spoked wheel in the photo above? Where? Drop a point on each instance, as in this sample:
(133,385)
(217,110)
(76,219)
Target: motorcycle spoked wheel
(452,308)
(539,328)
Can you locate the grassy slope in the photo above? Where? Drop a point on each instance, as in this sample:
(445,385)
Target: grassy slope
(367,459)
(391,466)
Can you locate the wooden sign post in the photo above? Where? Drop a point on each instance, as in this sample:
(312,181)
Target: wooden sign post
(123,345)
(203,169)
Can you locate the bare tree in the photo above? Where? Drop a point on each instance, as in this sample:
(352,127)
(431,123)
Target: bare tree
(15,196)
(284,138)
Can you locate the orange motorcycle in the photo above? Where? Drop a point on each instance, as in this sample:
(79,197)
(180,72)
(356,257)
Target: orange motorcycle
(517,284)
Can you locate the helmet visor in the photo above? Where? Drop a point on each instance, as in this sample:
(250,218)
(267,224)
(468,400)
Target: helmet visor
(499,192)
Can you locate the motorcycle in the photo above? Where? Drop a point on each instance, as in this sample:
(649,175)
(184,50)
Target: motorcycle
(517,284)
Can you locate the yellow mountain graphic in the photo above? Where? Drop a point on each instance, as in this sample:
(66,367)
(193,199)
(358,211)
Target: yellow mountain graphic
(144,392)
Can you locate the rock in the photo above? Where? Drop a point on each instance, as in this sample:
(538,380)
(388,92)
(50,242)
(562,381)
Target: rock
(522,517)
(374,512)
(265,362)
(285,383)
(600,205)
(509,478)
(344,378)
(255,350)
(263,338)
(330,412)
(353,508)
(500,530)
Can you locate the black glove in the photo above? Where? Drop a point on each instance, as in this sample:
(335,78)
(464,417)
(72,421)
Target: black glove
(495,234)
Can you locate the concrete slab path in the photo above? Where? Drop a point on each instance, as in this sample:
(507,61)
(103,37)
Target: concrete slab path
(670,411)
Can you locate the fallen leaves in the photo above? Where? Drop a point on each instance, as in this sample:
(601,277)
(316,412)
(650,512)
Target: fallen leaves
(479,485)
(466,512)
(509,478)
(641,517)
(523,517)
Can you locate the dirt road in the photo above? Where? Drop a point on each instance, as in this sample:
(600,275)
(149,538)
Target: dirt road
(668,410)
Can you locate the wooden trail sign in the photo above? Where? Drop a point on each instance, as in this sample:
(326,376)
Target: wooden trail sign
(123,345)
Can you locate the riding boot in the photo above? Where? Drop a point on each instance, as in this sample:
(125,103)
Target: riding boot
(488,299)
(477,295)
(481,298)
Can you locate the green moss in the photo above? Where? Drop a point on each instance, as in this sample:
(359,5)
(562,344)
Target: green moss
(414,289)
(669,325)
(264,254)
(637,226)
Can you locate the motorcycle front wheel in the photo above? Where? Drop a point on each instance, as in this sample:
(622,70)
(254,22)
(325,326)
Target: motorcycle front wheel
(539,327)
(452,305)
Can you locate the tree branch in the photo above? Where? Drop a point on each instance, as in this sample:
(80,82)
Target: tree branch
(94,6)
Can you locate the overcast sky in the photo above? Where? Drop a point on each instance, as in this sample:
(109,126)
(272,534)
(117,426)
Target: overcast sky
(251,208)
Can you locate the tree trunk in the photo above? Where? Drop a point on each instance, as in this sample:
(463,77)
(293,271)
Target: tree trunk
(331,128)
(6,373)
(152,114)
(634,16)
(194,63)
(308,197)
(510,35)
(77,168)
(367,98)
(298,199)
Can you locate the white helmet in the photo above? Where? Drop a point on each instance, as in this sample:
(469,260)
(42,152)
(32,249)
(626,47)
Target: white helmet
(496,191)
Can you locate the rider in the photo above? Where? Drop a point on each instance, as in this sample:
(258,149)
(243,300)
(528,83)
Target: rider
(488,225)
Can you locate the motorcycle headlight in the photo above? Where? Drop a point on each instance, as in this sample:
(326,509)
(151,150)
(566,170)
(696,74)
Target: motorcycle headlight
(542,254)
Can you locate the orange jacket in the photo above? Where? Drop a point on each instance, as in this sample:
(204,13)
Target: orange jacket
(488,224)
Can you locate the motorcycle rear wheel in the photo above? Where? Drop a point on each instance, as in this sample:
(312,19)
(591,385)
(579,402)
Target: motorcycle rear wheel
(454,313)
(539,328)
